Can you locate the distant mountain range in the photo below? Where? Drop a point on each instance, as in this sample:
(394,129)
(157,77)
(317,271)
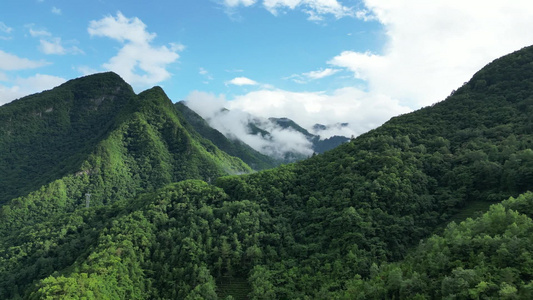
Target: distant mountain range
(268,136)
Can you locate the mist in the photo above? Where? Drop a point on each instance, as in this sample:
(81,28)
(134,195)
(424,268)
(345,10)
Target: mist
(235,124)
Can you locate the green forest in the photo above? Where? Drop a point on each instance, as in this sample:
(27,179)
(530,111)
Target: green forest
(434,204)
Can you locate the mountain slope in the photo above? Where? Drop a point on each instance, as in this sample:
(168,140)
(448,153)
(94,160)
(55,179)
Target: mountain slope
(372,199)
(45,136)
(235,148)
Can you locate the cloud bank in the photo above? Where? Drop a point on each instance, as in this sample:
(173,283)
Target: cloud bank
(363,111)
(434,46)
(234,123)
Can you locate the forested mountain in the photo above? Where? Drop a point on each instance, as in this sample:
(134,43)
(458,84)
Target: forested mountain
(366,220)
(95,135)
(48,135)
(235,148)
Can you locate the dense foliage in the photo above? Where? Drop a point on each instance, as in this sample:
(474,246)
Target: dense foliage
(364,220)
(489,257)
(145,148)
(47,135)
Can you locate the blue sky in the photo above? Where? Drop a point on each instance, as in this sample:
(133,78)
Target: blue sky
(315,61)
(219,43)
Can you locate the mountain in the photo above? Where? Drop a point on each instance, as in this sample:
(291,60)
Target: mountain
(97,129)
(45,136)
(233,147)
(374,218)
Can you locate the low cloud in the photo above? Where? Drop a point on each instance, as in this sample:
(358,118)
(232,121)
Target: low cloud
(363,111)
(234,123)
(138,61)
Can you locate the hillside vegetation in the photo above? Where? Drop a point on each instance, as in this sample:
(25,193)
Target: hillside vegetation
(357,222)
(135,144)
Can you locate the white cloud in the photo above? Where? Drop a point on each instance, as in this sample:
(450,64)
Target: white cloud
(435,46)
(234,124)
(203,71)
(39,33)
(138,62)
(235,71)
(52,46)
(177,47)
(320,73)
(361,64)
(56,11)
(314,8)
(207,76)
(4,28)
(10,62)
(235,3)
(363,111)
(86,70)
(240,81)
(313,75)
(24,86)
(48,44)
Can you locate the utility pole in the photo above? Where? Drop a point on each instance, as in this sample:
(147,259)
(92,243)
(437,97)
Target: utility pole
(87,199)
